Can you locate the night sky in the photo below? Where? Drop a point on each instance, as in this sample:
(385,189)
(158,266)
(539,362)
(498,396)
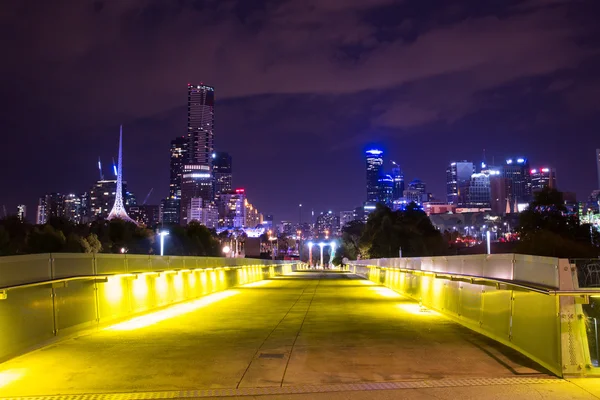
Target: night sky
(302,88)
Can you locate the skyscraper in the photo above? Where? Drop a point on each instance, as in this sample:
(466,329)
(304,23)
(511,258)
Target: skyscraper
(196,177)
(386,190)
(458,178)
(374,173)
(178,158)
(222,172)
(479,191)
(398,178)
(542,177)
(201,120)
(518,173)
(196,182)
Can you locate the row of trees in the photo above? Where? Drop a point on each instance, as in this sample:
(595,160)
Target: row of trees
(61,235)
(546,228)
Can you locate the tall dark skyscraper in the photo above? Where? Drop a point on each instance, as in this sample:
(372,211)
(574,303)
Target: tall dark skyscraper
(541,178)
(196,177)
(518,173)
(458,178)
(374,173)
(178,156)
(398,178)
(222,172)
(201,121)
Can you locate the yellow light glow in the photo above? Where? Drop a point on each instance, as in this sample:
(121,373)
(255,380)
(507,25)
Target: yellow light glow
(366,282)
(256,284)
(140,287)
(9,376)
(385,292)
(171,312)
(417,309)
(161,284)
(113,289)
(192,279)
(178,283)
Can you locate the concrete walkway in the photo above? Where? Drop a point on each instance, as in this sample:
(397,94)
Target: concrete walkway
(289,337)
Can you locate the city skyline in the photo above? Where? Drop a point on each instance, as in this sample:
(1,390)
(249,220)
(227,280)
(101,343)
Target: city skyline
(492,90)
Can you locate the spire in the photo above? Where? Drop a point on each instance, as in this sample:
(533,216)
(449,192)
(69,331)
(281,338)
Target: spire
(118,210)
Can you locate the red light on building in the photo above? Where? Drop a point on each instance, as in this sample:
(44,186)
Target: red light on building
(240,191)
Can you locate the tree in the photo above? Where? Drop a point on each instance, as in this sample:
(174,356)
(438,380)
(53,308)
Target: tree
(45,239)
(546,229)
(387,231)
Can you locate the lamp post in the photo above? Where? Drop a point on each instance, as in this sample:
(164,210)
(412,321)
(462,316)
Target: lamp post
(310,246)
(300,214)
(226,250)
(332,253)
(162,235)
(321,245)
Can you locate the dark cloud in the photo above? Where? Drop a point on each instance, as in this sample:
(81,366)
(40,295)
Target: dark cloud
(341,73)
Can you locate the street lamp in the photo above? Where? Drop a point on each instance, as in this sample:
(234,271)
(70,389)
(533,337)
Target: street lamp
(332,253)
(162,235)
(321,245)
(300,214)
(226,250)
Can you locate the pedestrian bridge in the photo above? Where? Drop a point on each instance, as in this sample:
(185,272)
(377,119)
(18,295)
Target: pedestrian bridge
(133,327)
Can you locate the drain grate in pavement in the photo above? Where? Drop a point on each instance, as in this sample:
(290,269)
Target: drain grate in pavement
(271,355)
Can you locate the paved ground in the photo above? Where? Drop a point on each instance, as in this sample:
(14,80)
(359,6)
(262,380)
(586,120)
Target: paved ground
(289,337)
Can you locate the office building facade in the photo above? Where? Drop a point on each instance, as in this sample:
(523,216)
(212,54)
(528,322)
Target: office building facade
(178,159)
(374,164)
(222,170)
(479,194)
(518,173)
(541,178)
(458,178)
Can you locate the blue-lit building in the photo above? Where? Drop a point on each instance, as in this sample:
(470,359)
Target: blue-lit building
(398,178)
(374,158)
(386,190)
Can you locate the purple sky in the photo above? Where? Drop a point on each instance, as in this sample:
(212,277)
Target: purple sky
(302,88)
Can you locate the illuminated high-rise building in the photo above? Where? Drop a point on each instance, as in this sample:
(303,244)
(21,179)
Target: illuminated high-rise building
(374,160)
(196,177)
(178,159)
(222,172)
(196,182)
(458,178)
(541,178)
(201,120)
(398,178)
(518,173)
(386,190)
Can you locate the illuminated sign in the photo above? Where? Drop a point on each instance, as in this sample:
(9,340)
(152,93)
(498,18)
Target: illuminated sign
(509,161)
(521,160)
(375,152)
(240,191)
(200,175)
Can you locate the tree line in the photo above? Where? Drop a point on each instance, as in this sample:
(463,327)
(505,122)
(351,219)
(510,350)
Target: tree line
(545,228)
(61,235)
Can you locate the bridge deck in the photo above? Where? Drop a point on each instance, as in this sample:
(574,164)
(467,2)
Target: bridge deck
(293,331)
